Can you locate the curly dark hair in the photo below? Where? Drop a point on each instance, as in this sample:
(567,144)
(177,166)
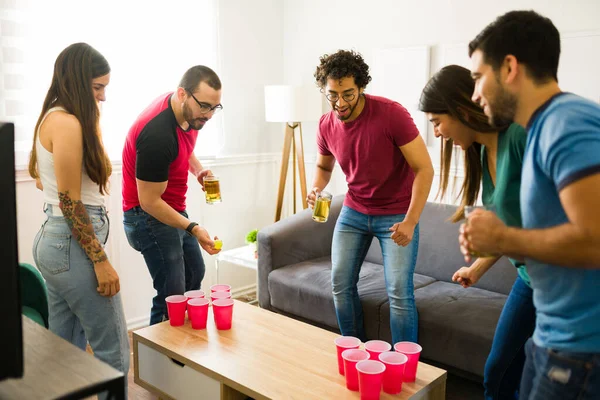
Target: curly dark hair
(342,64)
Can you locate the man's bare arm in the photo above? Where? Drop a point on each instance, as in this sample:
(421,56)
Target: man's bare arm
(576,243)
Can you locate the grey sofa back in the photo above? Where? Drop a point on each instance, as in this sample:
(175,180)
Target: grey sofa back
(439,254)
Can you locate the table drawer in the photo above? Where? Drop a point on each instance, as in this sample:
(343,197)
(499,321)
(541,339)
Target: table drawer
(178,381)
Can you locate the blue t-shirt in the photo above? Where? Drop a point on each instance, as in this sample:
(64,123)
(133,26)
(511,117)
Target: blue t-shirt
(563,146)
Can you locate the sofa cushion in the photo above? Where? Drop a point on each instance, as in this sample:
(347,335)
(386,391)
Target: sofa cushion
(456,325)
(304,290)
(439,254)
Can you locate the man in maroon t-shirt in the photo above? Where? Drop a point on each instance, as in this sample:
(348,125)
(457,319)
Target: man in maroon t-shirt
(157,158)
(389,174)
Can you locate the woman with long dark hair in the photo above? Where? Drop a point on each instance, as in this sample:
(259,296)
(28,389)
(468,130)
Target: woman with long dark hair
(69,160)
(493,157)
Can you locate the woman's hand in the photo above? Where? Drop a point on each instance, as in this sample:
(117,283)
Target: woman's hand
(466,276)
(108,279)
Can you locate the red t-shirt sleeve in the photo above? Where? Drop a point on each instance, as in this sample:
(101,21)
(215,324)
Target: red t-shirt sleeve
(402,128)
(321,142)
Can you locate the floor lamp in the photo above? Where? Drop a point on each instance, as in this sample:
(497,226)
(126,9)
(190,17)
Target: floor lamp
(292,105)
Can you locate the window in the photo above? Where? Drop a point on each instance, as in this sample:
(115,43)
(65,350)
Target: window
(148,44)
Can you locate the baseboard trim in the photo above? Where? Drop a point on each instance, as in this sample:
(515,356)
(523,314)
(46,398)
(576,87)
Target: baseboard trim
(243,290)
(136,323)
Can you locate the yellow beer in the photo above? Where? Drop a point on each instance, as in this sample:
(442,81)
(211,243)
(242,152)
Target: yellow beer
(322,205)
(212,189)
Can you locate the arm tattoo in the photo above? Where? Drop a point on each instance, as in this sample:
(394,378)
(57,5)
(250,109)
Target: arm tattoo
(81,227)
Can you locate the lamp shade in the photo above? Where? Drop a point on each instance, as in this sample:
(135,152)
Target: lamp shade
(284,103)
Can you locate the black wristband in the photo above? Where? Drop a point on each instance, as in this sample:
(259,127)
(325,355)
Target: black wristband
(190,227)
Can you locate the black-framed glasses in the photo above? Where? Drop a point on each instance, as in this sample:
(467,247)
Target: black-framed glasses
(335,97)
(205,108)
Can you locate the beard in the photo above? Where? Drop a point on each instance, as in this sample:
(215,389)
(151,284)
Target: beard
(350,111)
(503,108)
(194,123)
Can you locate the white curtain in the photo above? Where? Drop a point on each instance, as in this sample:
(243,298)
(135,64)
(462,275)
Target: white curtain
(149,45)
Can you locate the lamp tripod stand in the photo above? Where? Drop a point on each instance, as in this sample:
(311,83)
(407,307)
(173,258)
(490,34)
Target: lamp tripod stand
(292,143)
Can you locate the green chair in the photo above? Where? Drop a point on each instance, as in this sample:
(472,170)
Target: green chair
(34,296)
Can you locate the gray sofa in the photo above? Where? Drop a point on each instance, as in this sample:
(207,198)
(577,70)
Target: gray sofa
(456,325)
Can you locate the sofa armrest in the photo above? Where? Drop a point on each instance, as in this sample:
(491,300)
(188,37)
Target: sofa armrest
(292,240)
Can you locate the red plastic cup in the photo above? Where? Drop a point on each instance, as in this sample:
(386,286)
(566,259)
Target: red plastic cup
(376,347)
(176,309)
(351,357)
(413,352)
(198,312)
(344,343)
(370,375)
(223,313)
(194,294)
(219,295)
(394,371)
(220,288)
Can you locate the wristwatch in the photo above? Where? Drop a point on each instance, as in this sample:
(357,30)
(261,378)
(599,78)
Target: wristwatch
(190,227)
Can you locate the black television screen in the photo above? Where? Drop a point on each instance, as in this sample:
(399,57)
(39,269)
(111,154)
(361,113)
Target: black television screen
(11,336)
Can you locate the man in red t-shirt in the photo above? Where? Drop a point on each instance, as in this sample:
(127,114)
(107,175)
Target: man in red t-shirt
(157,158)
(389,174)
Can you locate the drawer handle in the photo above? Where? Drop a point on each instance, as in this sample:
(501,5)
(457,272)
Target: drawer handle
(177,362)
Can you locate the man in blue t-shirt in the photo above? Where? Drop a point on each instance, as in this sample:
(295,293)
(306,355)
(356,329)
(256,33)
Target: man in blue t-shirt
(515,63)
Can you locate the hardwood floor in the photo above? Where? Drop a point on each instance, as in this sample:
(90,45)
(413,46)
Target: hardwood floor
(135,392)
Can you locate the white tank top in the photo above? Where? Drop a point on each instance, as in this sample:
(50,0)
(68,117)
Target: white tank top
(90,191)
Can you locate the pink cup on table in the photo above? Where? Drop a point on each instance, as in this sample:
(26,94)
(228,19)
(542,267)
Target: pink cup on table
(370,375)
(198,312)
(344,343)
(351,357)
(394,371)
(219,295)
(220,288)
(194,294)
(176,309)
(376,347)
(413,352)
(223,313)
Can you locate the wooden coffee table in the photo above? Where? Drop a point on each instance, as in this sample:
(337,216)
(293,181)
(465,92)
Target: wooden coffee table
(264,356)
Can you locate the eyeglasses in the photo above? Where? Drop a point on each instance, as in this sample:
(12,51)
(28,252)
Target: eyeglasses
(335,97)
(205,108)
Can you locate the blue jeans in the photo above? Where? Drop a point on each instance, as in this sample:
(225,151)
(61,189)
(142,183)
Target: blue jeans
(352,237)
(78,313)
(504,365)
(559,375)
(172,256)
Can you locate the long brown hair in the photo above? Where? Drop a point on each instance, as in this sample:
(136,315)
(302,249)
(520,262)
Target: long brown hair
(449,92)
(71,88)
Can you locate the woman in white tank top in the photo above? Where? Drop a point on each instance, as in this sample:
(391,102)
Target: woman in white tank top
(71,166)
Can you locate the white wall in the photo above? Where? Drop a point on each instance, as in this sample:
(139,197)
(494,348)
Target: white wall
(251,47)
(273,42)
(403,23)
(248,203)
(251,56)
(313,28)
